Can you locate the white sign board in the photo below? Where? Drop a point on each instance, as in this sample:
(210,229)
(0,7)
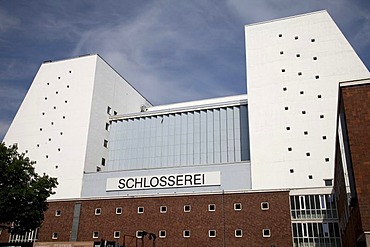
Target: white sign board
(164,181)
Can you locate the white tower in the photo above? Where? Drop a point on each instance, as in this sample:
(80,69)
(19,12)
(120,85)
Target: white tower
(63,124)
(294,66)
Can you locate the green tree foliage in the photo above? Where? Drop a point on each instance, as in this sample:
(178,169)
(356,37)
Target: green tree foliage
(23,192)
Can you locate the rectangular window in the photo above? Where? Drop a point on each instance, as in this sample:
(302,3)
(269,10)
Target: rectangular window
(265,206)
(97,211)
(58,212)
(211,207)
(107,125)
(163,209)
(105,144)
(103,161)
(237,206)
(55,235)
(95,234)
(119,210)
(117,234)
(266,233)
(186,233)
(302,202)
(114,113)
(238,233)
(187,208)
(162,233)
(140,210)
(212,233)
(322,202)
(109,110)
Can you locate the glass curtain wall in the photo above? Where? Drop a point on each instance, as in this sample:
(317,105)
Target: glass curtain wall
(210,136)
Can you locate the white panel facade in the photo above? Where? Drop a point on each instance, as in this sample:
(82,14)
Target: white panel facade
(294,66)
(59,116)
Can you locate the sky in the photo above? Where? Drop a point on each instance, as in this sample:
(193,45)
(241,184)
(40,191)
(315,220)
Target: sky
(169,50)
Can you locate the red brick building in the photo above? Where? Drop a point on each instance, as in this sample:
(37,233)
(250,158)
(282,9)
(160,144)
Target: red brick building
(230,219)
(352,171)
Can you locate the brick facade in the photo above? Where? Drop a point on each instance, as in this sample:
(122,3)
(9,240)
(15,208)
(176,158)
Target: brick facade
(355,219)
(251,219)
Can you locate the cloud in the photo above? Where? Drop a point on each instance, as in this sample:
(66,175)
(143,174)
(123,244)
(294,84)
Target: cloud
(8,22)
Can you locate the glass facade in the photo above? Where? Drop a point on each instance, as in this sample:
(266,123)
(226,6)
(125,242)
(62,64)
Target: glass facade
(198,137)
(314,221)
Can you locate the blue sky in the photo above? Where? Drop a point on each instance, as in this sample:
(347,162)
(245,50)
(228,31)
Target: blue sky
(170,50)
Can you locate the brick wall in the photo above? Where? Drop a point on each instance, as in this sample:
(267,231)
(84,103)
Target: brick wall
(224,220)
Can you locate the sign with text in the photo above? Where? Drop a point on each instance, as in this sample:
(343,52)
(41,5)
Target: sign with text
(164,181)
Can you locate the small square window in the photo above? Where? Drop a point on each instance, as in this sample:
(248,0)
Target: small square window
(305,132)
(299,73)
(286,108)
(67,86)
(109,110)
(284,88)
(119,210)
(301,92)
(287,128)
(303,112)
(38,145)
(59,149)
(70,71)
(296,37)
(280,35)
(58,213)
(162,233)
(314,58)
(328,182)
(52,123)
(97,211)
(40,129)
(43,113)
(98,169)
(291,170)
(308,154)
(237,206)
(281,52)
(317,77)
(212,233)
(298,55)
(95,234)
(163,209)
(265,206)
(321,116)
(103,161)
(116,234)
(324,137)
(55,235)
(186,233)
(46,98)
(211,207)
(319,96)
(48,83)
(56,92)
(61,133)
(187,208)
(290,149)
(64,117)
(310,177)
(55,107)
(105,144)
(283,70)
(266,233)
(66,101)
(140,210)
(47,156)
(139,234)
(326,159)
(313,40)
(59,77)
(49,139)
(238,233)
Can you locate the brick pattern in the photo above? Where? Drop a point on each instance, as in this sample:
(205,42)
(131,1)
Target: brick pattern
(356,102)
(251,219)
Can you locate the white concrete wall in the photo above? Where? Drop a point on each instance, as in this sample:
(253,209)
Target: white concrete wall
(68,100)
(110,89)
(273,83)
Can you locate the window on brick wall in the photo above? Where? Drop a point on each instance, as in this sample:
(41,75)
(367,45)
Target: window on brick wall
(97,211)
(265,206)
(162,234)
(58,212)
(55,235)
(119,210)
(117,234)
(186,234)
(140,210)
(211,207)
(95,234)
(238,233)
(163,209)
(212,233)
(187,208)
(237,206)
(266,233)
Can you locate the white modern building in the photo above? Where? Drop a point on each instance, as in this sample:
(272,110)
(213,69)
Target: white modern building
(86,125)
